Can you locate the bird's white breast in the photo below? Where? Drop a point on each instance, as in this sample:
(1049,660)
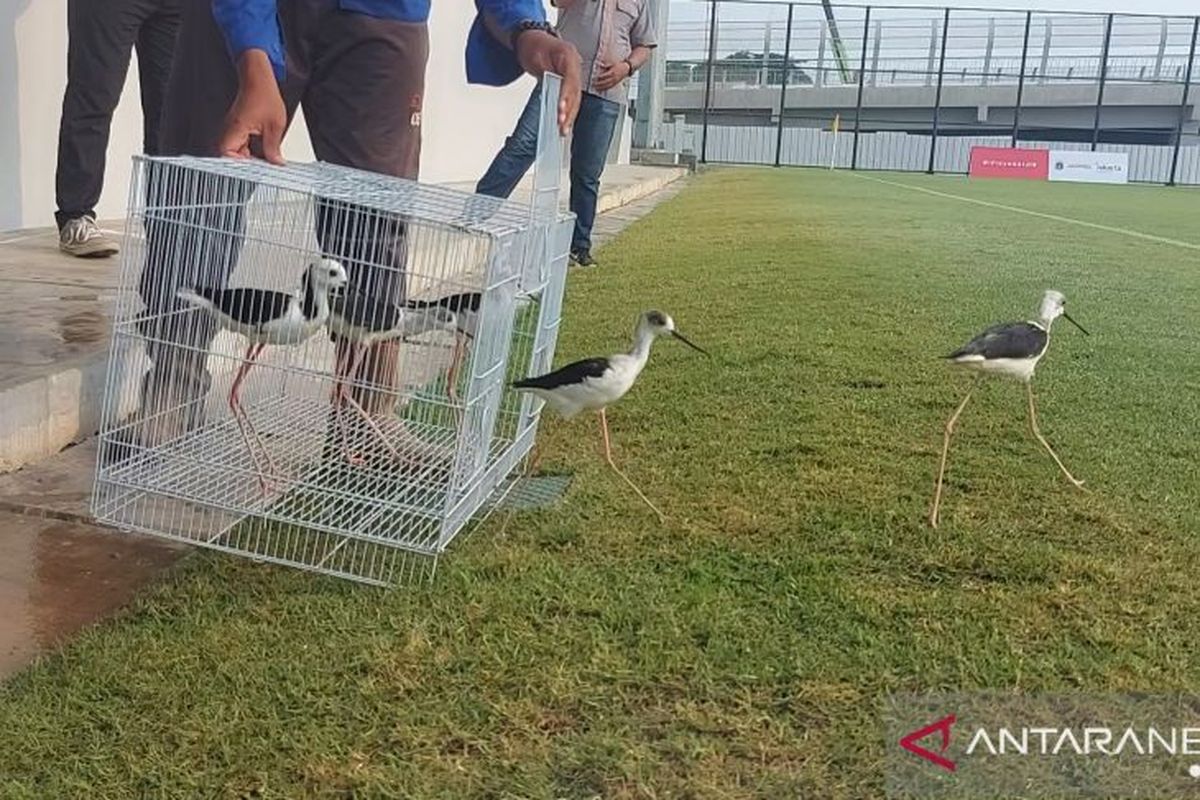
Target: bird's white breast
(593,393)
(1018,368)
(292,327)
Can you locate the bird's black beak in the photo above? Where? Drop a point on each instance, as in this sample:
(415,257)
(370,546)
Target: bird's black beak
(1067,317)
(683,339)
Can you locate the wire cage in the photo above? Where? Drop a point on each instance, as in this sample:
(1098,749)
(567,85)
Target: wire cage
(311,365)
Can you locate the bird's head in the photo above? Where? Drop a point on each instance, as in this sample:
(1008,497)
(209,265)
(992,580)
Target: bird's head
(1054,305)
(658,323)
(327,274)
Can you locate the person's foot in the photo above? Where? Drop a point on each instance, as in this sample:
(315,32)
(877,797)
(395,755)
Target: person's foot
(82,237)
(582,258)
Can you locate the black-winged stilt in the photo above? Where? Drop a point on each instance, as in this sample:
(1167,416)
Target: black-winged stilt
(268,317)
(1010,350)
(465,307)
(363,321)
(593,384)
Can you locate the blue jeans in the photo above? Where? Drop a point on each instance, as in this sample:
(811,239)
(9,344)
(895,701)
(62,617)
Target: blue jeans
(590,141)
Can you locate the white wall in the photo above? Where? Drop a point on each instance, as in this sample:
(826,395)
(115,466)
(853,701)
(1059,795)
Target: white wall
(463,126)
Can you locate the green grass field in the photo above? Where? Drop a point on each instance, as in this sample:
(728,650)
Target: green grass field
(743,649)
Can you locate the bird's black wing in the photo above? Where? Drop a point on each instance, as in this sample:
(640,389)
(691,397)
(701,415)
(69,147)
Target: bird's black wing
(1010,340)
(464,301)
(573,373)
(458,303)
(361,310)
(248,306)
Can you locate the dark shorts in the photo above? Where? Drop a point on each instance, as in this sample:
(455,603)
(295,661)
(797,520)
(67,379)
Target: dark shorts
(360,80)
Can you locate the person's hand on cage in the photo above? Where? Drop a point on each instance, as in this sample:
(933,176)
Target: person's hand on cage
(539,52)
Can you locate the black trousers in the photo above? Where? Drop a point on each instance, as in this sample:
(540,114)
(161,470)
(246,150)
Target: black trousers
(103,35)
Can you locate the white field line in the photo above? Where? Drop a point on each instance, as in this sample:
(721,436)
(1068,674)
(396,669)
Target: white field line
(1053,217)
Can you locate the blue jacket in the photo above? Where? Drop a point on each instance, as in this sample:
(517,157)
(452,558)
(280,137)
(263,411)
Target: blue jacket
(252,24)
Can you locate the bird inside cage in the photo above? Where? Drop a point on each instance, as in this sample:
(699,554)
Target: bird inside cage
(362,321)
(466,308)
(593,384)
(265,317)
(1010,350)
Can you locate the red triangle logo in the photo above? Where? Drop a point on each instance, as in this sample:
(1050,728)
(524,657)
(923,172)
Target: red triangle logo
(909,742)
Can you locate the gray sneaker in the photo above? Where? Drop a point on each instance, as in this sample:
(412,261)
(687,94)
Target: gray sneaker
(83,238)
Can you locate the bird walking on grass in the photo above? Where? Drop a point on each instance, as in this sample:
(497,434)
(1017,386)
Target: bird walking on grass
(363,321)
(268,317)
(1011,350)
(593,384)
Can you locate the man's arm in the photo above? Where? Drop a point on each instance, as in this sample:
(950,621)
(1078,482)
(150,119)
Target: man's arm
(251,29)
(643,34)
(498,51)
(612,74)
(251,25)
(643,39)
(639,56)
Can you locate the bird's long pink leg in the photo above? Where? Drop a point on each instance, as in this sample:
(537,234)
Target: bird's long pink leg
(354,365)
(452,375)
(339,384)
(339,371)
(240,416)
(937,492)
(1078,484)
(266,453)
(608,456)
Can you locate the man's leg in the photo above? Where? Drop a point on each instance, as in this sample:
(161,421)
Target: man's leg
(589,149)
(193,229)
(363,108)
(102,35)
(155,52)
(518,153)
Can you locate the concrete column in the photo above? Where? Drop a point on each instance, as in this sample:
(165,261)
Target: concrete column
(679,121)
(1162,49)
(987,53)
(1046,49)
(875,51)
(819,78)
(651,82)
(931,64)
(764,70)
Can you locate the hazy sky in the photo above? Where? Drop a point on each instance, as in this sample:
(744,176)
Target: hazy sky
(1189,7)
(1114,6)
(1132,38)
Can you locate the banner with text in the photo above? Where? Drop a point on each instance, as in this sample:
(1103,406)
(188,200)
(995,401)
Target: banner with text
(1009,162)
(1088,167)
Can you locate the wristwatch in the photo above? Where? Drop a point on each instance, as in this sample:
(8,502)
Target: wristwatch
(531,25)
(629,64)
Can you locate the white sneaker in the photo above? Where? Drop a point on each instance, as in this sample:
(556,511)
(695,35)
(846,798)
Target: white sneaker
(83,238)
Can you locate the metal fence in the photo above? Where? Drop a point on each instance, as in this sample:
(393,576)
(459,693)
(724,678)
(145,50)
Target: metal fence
(884,87)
